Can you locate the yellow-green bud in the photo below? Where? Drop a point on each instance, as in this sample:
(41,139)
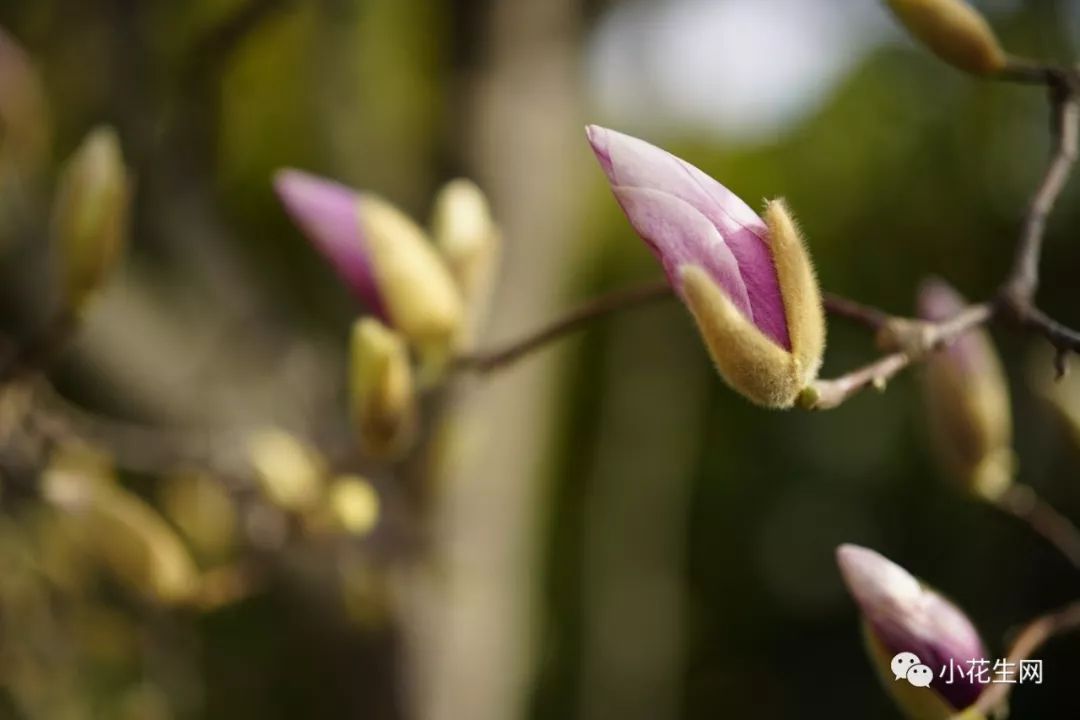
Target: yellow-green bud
(90,216)
(967,398)
(204,512)
(353,505)
(419,291)
(381,389)
(469,240)
(954,31)
(289,471)
(127,535)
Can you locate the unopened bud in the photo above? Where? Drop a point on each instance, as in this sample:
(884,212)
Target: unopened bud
(90,216)
(466,235)
(1063,395)
(381,389)
(290,471)
(747,280)
(136,544)
(353,505)
(24,126)
(386,259)
(967,400)
(954,31)
(203,511)
(910,626)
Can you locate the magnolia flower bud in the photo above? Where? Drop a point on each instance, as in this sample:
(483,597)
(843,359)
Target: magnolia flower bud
(289,471)
(381,388)
(120,530)
(203,511)
(466,235)
(382,255)
(967,398)
(954,31)
(900,615)
(24,123)
(90,215)
(353,505)
(748,281)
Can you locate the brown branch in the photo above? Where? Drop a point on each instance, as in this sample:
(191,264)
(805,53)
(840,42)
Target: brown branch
(1023,503)
(1027,72)
(829,394)
(1017,296)
(488,361)
(848,309)
(1024,280)
(1031,637)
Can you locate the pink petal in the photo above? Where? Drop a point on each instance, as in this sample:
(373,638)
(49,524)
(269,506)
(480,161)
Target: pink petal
(630,162)
(678,233)
(328,213)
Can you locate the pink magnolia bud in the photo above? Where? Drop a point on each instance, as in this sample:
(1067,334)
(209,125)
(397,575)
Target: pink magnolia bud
(329,215)
(903,616)
(748,281)
(383,256)
(967,399)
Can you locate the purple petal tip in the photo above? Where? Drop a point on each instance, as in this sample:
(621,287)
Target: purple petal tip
(329,215)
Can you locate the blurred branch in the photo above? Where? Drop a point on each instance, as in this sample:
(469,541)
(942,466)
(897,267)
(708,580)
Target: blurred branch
(1022,502)
(138,448)
(1032,637)
(40,352)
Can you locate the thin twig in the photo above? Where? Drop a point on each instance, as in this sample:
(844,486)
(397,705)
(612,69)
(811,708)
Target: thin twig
(1023,503)
(1024,280)
(1033,636)
(488,361)
(1027,72)
(849,309)
(829,394)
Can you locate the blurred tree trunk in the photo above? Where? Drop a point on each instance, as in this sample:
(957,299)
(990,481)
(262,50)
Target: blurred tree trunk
(522,140)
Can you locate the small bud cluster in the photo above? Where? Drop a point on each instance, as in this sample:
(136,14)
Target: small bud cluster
(424,293)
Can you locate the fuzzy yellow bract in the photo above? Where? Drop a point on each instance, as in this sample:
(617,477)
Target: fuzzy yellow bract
(799,289)
(90,216)
(954,31)
(750,362)
(970,418)
(381,390)
(422,300)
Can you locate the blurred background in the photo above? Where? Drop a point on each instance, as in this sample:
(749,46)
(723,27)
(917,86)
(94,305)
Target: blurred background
(602,530)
